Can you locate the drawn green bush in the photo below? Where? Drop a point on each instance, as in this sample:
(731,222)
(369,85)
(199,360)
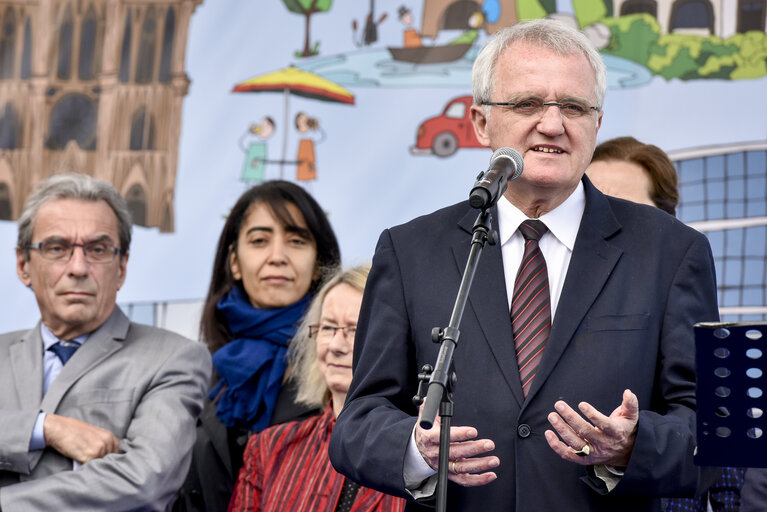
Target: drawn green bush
(530,10)
(637,38)
(589,11)
(633,37)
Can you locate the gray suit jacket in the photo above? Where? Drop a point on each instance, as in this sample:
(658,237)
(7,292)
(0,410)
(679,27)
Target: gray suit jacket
(143,384)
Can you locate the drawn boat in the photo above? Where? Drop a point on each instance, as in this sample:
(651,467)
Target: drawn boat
(429,54)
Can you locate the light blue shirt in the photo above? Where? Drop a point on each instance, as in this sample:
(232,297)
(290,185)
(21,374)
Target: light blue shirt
(51,368)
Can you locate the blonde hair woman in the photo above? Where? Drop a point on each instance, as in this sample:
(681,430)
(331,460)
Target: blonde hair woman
(286,467)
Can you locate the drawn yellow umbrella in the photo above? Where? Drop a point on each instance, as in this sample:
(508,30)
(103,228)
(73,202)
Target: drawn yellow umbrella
(292,80)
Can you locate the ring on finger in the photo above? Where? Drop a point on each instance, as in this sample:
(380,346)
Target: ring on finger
(583,452)
(452,467)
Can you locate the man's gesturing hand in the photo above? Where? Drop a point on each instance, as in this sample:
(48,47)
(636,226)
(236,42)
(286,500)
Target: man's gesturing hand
(465,467)
(76,439)
(610,439)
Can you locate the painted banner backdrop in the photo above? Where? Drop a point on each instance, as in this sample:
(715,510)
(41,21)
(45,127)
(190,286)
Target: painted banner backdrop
(183,104)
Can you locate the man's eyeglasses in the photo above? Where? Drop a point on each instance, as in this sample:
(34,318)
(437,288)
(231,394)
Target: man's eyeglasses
(327,331)
(570,108)
(98,251)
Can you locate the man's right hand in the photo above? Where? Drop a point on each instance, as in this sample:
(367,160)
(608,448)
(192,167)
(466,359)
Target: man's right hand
(76,439)
(465,467)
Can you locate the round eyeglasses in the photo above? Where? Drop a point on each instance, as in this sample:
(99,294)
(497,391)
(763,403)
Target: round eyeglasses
(98,251)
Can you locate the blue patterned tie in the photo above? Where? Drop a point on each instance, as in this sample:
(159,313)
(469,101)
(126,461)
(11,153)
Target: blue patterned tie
(65,350)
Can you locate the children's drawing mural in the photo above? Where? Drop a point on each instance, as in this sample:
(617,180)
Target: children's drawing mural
(182,104)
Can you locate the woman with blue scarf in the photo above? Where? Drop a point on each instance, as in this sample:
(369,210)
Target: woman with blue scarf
(275,247)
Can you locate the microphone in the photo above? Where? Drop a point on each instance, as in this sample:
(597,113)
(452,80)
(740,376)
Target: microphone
(506,165)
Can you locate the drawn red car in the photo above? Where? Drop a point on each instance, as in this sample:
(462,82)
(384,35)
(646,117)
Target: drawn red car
(444,134)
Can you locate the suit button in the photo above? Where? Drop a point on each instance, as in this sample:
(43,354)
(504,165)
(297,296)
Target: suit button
(524,430)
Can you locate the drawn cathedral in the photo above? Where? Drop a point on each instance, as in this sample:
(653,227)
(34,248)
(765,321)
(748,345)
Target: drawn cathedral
(93,86)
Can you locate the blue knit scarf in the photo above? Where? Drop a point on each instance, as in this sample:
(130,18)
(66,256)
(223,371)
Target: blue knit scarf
(251,366)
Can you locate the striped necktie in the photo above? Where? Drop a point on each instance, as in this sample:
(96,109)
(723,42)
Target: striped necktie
(531,304)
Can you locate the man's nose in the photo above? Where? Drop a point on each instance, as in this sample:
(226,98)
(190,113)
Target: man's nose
(551,122)
(77,263)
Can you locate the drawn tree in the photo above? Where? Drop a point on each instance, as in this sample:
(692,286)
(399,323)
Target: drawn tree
(307,8)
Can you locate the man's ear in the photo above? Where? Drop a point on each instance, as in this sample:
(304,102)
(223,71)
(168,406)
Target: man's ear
(479,121)
(22,267)
(122,269)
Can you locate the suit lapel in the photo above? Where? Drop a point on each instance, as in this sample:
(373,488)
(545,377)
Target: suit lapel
(102,343)
(27,359)
(592,262)
(487,299)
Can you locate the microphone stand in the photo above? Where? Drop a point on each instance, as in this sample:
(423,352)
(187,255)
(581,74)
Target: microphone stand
(442,379)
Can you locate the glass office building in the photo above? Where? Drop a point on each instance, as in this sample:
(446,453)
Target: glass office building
(723,193)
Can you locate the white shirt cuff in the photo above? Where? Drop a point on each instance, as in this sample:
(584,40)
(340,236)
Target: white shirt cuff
(37,441)
(416,469)
(610,475)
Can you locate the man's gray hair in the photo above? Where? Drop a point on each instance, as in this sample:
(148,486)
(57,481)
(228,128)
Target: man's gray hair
(544,33)
(80,187)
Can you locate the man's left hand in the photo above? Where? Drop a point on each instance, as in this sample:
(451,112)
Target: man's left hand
(610,439)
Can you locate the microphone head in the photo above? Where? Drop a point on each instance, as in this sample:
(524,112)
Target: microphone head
(512,154)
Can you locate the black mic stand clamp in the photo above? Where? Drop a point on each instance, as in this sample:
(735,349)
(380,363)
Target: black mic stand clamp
(441,379)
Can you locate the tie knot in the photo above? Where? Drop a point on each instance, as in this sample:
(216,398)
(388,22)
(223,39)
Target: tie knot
(64,350)
(532,229)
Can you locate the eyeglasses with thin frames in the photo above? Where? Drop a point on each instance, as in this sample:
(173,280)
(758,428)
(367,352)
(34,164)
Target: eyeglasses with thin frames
(98,251)
(327,331)
(570,108)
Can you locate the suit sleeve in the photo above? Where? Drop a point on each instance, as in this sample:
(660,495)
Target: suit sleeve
(371,435)
(154,453)
(661,462)
(16,427)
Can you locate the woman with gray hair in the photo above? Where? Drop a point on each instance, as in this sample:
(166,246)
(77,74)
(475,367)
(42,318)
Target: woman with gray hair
(287,466)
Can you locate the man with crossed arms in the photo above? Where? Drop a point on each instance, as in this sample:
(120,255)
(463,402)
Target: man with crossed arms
(96,412)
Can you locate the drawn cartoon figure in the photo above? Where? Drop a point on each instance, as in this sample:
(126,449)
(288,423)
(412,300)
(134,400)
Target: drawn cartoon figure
(253,143)
(412,38)
(370,31)
(470,34)
(306,160)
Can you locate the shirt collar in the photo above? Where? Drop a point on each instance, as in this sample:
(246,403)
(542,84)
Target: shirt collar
(50,339)
(563,221)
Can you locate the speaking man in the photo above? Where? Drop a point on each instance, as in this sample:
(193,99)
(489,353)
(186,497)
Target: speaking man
(96,412)
(575,363)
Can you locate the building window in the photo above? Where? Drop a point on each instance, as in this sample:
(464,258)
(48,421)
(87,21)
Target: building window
(73,118)
(125,54)
(8,44)
(136,200)
(640,6)
(168,34)
(10,128)
(142,131)
(146,49)
(731,190)
(166,226)
(751,15)
(87,59)
(692,14)
(26,55)
(5,202)
(65,45)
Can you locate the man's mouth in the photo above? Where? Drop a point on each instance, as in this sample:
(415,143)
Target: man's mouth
(547,150)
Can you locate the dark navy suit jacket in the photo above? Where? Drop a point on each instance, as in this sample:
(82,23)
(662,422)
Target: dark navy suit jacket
(637,282)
